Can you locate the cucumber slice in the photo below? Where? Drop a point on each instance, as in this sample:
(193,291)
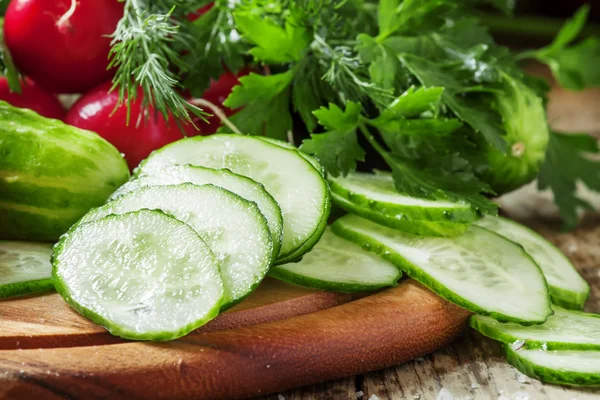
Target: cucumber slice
(567,288)
(25,268)
(287,145)
(298,188)
(416,227)
(240,185)
(565,330)
(569,367)
(376,193)
(142,275)
(233,228)
(480,271)
(339,265)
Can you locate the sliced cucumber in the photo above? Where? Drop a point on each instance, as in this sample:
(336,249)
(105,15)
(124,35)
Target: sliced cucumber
(287,145)
(376,193)
(567,288)
(480,271)
(25,268)
(339,265)
(565,330)
(233,228)
(298,188)
(238,184)
(569,367)
(142,275)
(416,227)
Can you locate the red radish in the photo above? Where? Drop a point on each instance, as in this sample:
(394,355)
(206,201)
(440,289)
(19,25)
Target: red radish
(200,12)
(62,44)
(95,111)
(33,97)
(217,92)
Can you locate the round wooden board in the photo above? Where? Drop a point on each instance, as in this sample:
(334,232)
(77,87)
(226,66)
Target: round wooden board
(369,333)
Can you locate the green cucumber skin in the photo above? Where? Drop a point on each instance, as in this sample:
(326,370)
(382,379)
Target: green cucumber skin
(425,279)
(115,330)
(568,299)
(299,280)
(312,241)
(464,214)
(418,227)
(51,174)
(559,296)
(494,334)
(25,288)
(548,375)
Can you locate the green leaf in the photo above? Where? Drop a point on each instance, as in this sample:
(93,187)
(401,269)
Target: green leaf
(568,32)
(337,149)
(574,67)
(577,67)
(414,102)
(266,104)
(274,43)
(309,92)
(387,14)
(412,16)
(568,162)
(475,112)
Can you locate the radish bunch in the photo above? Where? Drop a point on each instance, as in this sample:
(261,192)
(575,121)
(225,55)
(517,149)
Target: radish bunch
(62,47)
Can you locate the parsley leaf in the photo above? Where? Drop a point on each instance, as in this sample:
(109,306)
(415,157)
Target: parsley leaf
(265,100)
(567,162)
(337,149)
(474,111)
(275,44)
(573,67)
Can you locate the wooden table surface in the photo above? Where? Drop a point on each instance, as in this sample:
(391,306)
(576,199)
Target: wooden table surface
(473,367)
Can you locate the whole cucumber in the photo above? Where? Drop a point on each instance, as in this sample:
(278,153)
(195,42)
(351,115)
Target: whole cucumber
(51,174)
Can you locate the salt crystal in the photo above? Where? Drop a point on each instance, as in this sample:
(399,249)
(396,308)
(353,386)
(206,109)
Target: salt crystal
(416,396)
(503,397)
(359,394)
(280,397)
(268,366)
(445,394)
(474,386)
(521,396)
(522,378)
(545,346)
(373,397)
(572,248)
(517,345)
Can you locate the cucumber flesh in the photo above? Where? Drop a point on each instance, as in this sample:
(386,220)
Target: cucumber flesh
(240,185)
(298,188)
(567,288)
(568,367)
(142,275)
(376,193)
(480,271)
(564,330)
(232,227)
(339,265)
(416,227)
(25,268)
(315,163)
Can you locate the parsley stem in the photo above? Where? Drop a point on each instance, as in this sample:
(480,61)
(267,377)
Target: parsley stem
(373,142)
(218,112)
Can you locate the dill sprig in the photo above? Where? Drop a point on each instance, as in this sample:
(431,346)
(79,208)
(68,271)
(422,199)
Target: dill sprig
(145,51)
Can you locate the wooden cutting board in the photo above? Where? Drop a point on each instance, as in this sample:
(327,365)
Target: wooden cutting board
(281,337)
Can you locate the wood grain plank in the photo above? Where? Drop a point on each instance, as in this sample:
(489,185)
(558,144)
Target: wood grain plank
(409,321)
(47,321)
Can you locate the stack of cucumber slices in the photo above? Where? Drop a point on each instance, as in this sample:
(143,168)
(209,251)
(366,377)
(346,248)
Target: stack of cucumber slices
(205,219)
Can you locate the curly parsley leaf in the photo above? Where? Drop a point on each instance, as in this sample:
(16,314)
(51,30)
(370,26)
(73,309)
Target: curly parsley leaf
(568,162)
(574,67)
(266,101)
(337,149)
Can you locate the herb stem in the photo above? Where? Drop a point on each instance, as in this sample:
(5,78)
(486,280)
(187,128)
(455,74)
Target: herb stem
(218,112)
